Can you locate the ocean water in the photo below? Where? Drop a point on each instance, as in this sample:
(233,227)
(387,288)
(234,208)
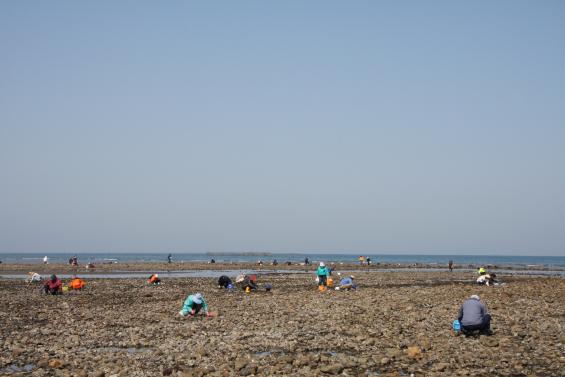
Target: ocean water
(459,260)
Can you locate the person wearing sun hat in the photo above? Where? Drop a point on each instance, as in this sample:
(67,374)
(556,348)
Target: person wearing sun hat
(193,304)
(322,273)
(473,316)
(347,283)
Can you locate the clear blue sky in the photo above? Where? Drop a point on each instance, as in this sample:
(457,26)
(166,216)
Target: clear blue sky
(328,126)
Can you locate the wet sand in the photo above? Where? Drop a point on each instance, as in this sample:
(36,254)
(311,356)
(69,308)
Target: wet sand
(396,324)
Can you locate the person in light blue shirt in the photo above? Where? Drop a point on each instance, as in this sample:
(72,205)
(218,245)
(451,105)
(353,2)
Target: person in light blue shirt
(322,273)
(347,283)
(193,304)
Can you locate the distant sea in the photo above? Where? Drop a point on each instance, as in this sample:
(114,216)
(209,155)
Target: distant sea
(466,260)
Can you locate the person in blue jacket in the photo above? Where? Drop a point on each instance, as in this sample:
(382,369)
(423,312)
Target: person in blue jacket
(473,315)
(347,283)
(323,274)
(193,304)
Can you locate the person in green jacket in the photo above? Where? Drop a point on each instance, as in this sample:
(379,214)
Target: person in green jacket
(322,273)
(193,304)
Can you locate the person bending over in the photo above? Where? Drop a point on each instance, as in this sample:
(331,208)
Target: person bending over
(224,282)
(347,283)
(473,316)
(53,286)
(76,284)
(154,279)
(193,304)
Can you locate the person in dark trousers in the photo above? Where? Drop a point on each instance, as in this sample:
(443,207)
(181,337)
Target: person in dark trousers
(224,282)
(170,258)
(193,304)
(368,259)
(322,273)
(473,316)
(53,286)
(249,283)
(306,261)
(450,266)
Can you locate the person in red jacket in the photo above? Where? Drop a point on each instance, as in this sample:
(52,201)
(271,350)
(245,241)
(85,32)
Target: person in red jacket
(53,286)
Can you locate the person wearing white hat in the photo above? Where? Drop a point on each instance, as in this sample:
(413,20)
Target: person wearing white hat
(154,279)
(347,283)
(193,304)
(322,273)
(473,316)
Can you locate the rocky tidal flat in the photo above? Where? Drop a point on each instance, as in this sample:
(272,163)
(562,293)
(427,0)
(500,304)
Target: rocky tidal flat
(396,324)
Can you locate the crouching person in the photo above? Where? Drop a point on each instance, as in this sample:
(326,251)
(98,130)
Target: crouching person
(193,304)
(53,286)
(473,316)
(76,284)
(224,282)
(154,280)
(347,284)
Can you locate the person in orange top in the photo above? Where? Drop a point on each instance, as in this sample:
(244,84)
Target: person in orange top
(77,283)
(154,279)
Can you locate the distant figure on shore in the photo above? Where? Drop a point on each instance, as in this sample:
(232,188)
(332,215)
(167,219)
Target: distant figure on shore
(90,266)
(212,261)
(76,284)
(346,284)
(288,263)
(45,260)
(193,304)
(154,279)
(450,265)
(473,316)
(170,258)
(275,262)
(306,261)
(322,274)
(33,277)
(361,259)
(53,286)
(225,282)
(368,259)
(260,263)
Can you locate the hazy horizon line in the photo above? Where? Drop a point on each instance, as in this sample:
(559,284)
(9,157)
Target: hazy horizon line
(372,253)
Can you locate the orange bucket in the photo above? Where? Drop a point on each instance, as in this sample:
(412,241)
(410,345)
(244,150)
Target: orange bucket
(330,282)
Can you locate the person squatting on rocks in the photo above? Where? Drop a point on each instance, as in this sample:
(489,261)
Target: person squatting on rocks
(247,284)
(473,316)
(53,286)
(154,279)
(33,277)
(224,282)
(487,279)
(193,304)
(322,274)
(76,284)
(347,284)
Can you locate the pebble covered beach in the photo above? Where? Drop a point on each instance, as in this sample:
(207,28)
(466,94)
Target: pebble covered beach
(395,324)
